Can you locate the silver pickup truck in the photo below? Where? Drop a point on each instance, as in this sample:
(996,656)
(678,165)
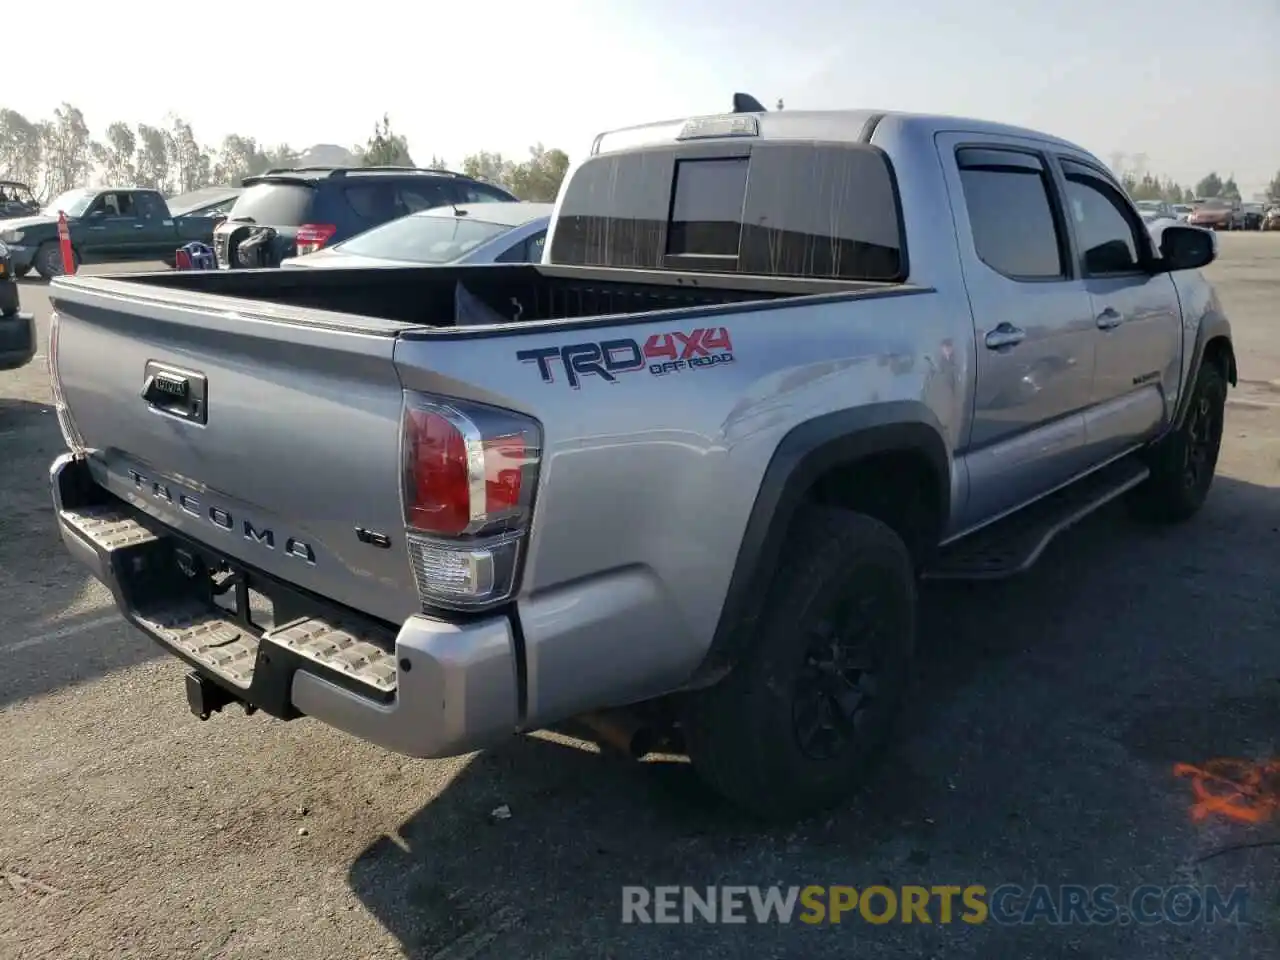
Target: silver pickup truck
(678,481)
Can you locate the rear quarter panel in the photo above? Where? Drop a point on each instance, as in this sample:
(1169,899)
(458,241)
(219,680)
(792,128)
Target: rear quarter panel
(647,482)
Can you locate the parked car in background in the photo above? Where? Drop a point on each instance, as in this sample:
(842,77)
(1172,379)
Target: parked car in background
(1216,213)
(1271,219)
(17,330)
(1182,211)
(1252,214)
(294,212)
(107,225)
(475,233)
(1152,210)
(212,202)
(16,200)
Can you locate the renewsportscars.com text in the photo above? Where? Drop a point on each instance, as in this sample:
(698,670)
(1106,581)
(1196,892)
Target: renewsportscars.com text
(1007,904)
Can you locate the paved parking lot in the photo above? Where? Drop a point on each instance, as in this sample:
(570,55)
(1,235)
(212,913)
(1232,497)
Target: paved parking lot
(1051,712)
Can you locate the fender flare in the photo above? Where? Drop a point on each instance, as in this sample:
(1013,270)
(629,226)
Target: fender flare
(807,452)
(1213,326)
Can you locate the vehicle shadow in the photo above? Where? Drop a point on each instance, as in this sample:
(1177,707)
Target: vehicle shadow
(1023,756)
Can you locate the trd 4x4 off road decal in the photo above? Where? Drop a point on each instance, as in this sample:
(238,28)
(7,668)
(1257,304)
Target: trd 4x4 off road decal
(661,354)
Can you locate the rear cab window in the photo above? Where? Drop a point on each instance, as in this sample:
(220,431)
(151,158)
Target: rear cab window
(275,203)
(773,208)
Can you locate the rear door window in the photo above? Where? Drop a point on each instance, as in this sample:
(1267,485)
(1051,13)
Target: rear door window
(1011,215)
(471,192)
(150,206)
(275,203)
(775,208)
(376,202)
(424,196)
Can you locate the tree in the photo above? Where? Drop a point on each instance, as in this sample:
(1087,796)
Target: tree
(1273,189)
(21,148)
(1210,186)
(66,150)
(1229,188)
(539,177)
(487,166)
(437,163)
(281,155)
(190,165)
(237,158)
(1148,188)
(152,164)
(385,148)
(115,156)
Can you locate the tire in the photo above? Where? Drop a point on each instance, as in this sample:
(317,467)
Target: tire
(1183,463)
(758,736)
(21,272)
(49,260)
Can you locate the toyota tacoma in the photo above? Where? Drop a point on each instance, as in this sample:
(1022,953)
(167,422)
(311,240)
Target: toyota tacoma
(680,479)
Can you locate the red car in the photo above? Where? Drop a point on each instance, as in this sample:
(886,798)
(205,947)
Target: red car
(1216,213)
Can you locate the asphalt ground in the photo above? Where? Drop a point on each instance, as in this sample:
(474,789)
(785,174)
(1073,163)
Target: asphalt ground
(1049,717)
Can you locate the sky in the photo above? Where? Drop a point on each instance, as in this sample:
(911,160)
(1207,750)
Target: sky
(1194,86)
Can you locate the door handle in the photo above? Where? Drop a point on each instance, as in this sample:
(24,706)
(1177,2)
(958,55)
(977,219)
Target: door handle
(1109,319)
(97,228)
(138,226)
(1005,335)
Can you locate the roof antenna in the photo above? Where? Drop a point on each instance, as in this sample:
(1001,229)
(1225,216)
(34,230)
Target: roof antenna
(745,103)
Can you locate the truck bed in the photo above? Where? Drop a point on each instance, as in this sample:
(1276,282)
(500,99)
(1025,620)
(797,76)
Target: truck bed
(515,293)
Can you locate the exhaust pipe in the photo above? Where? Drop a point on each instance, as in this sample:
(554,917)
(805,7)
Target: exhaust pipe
(621,730)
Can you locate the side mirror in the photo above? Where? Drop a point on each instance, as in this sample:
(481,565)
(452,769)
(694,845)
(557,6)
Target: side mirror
(1186,248)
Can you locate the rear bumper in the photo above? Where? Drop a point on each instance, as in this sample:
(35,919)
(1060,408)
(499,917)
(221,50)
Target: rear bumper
(17,336)
(430,689)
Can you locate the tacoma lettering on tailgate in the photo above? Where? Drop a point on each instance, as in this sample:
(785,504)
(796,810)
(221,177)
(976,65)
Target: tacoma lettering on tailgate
(661,354)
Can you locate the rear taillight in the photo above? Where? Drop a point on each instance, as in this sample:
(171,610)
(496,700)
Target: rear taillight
(469,474)
(70,433)
(313,236)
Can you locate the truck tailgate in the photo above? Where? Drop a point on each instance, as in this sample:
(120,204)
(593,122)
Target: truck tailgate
(296,448)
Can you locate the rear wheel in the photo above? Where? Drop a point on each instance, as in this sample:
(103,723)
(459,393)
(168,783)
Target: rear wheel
(795,726)
(1183,463)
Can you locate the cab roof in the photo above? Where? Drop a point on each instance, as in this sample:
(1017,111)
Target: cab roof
(852,126)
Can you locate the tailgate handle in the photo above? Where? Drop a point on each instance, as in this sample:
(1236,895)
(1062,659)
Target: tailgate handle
(177,393)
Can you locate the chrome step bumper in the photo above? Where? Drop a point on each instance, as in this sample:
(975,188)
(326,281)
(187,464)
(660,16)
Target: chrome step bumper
(432,689)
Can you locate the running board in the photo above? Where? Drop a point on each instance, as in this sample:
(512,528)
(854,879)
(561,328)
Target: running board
(1011,545)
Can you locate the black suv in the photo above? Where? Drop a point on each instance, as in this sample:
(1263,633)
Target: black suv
(290,212)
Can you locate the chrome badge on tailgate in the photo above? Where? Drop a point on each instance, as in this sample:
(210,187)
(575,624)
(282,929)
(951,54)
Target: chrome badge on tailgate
(164,491)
